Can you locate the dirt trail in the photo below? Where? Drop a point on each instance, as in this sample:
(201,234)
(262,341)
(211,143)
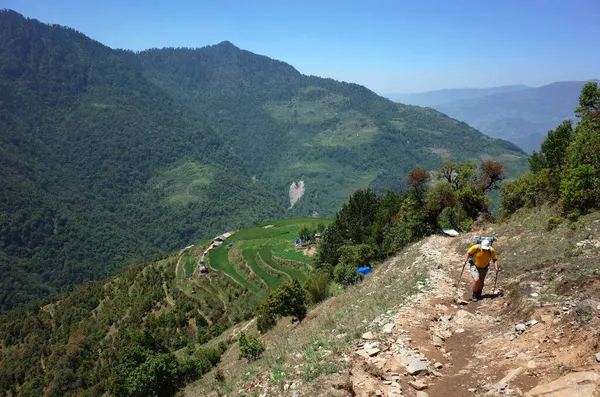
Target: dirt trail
(467,348)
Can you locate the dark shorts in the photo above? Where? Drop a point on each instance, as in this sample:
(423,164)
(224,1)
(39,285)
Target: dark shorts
(479,271)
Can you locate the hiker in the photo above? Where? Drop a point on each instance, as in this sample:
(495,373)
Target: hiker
(479,256)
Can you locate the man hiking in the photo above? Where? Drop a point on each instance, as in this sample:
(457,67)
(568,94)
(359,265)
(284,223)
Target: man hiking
(479,256)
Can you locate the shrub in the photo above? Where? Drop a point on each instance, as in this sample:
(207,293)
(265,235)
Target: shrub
(287,300)
(553,222)
(266,321)
(250,347)
(317,286)
(346,273)
(219,377)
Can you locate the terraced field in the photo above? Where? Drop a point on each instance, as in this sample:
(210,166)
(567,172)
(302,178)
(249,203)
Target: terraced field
(259,259)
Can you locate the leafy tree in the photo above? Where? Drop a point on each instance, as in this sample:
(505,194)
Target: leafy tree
(287,300)
(567,169)
(305,234)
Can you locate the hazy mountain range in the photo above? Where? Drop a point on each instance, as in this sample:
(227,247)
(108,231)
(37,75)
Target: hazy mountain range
(520,114)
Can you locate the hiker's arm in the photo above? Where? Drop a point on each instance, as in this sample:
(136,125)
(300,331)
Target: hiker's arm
(496,264)
(467,257)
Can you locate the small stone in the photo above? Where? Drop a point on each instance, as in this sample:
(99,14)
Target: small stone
(437,341)
(437,374)
(501,386)
(598,357)
(439,365)
(520,327)
(472,390)
(387,382)
(534,294)
(368,336)
(378,393)
(422,394)
(462,302)
(417,367)
(417,385)
(556,340)
(286,386)
(372,352)
(387,329)
(531,323)
(459,331)
(340,336)
(531,364)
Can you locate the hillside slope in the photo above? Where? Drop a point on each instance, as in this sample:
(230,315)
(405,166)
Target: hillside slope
(334,136)
(406,310)
(111,157)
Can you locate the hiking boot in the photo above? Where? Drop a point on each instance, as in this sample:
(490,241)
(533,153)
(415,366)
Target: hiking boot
(474,297)
(479,294)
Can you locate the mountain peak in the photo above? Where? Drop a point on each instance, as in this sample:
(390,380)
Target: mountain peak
(227,45)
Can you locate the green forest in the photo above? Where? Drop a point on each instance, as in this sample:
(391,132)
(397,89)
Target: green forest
(110,158)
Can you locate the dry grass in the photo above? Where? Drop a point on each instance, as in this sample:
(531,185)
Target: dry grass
(303,352)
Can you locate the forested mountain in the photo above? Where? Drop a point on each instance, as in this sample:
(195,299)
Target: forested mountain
(109,157)
(521,115)
(100,167)
(432,99)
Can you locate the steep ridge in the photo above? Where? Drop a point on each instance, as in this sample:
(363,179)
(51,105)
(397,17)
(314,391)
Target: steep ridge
(535,335)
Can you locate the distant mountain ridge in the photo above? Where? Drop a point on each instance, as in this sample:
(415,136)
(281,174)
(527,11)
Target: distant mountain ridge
(111,157)
(520,114)
(438,97)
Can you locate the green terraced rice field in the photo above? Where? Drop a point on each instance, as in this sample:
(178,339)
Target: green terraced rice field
(249,255)
(267,256)
(219,260)
(258,248)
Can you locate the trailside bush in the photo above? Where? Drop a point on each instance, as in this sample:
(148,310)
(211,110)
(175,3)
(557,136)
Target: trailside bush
(553,222)
(250,347)
(317,286)
(346,273)
(266,321)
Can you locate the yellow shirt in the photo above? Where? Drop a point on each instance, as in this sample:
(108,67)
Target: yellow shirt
(481,258)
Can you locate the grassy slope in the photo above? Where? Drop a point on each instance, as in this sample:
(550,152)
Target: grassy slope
(562,260)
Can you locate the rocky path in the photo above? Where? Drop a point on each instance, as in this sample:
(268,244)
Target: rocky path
(441,346)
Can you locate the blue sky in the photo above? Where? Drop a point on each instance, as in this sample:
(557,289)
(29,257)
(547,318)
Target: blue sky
(388,46)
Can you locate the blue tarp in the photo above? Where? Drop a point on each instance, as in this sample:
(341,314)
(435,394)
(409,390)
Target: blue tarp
(231,244)
(364,270)
(298,241)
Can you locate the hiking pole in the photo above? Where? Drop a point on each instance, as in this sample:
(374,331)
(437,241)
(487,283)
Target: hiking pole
(496,280)
(460,277)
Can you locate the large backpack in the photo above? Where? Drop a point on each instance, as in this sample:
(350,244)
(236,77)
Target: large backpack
(480,239)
